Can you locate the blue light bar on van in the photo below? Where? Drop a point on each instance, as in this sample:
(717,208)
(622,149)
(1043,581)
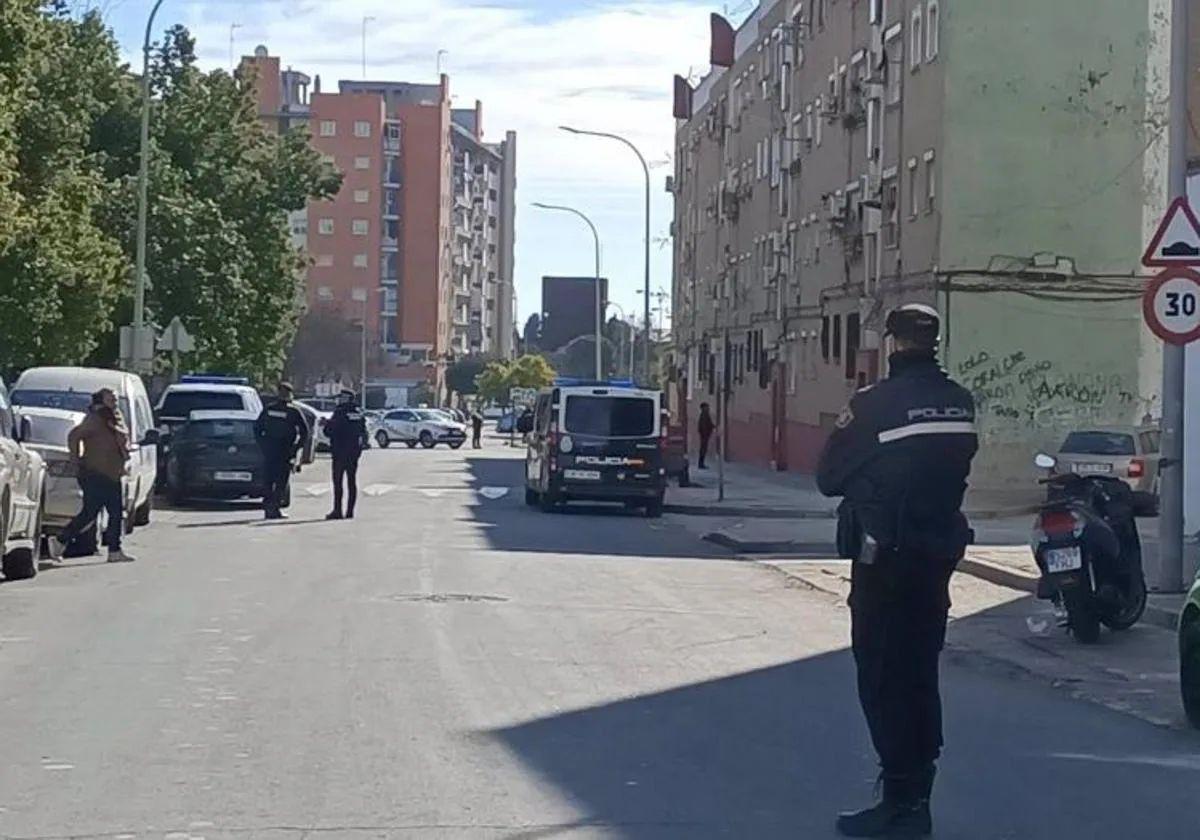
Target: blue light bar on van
(573,382)
(206,379)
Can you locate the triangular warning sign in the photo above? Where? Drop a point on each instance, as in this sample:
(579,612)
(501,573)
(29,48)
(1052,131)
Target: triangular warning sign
(1177,240)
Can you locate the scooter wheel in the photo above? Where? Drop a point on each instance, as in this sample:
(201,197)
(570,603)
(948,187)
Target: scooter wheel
(1082,618)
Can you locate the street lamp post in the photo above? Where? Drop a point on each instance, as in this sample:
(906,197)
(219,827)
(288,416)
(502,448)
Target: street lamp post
(646,170)
(139,280)
(599,306)
(362,296)
(365,21)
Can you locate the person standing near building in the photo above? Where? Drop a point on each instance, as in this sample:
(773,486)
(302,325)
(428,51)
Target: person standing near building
(900,456)
(99,447)
(476,429)
(347,430)
(705,427)
(282,433)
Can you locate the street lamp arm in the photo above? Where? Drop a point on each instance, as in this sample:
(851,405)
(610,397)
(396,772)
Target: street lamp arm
(150,26)
(617,137)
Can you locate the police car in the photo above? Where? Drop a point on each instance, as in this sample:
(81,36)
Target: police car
(600,441)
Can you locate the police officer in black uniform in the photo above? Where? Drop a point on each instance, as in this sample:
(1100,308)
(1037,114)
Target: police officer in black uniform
(347,430)
(900,457)
(282,433)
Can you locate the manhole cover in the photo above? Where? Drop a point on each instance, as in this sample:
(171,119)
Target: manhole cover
(450,597)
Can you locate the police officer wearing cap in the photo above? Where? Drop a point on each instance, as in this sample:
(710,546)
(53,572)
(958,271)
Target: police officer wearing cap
(900,456)
(347,430)
(282,433)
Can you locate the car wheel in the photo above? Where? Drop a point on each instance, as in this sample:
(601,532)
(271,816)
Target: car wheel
(381,438)
(22,563)
(427,440)
(549,501)
(1189,669)
(141,516)
(455,445)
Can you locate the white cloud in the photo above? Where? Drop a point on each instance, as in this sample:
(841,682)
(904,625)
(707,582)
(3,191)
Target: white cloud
(597,66)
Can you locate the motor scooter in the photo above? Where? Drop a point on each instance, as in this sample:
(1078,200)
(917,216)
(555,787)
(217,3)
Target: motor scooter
(1085,541)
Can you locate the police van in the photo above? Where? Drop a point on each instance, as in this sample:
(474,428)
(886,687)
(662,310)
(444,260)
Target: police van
(598,441)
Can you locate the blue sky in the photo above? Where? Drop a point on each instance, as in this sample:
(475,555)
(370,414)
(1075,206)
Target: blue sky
(535,64)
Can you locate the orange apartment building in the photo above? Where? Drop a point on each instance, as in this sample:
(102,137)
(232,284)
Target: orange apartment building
(381,250)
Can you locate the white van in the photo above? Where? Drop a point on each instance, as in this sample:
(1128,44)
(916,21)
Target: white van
(71,389)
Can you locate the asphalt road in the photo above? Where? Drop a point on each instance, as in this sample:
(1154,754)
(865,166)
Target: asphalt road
(452,664)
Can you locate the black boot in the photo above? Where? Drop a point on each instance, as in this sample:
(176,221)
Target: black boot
(903,811)
(336,514)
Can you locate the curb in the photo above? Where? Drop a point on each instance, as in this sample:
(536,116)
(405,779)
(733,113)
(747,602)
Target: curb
(1154,615)
(787,548)
(798,513)
(747,512)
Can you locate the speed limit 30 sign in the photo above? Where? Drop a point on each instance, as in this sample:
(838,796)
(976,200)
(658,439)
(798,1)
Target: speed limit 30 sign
(1171,305)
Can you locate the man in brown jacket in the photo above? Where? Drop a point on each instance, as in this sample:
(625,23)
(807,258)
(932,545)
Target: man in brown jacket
(99,446)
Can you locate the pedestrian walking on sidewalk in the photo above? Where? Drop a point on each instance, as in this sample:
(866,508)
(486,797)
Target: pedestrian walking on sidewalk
(282,434)
(99,447)
(476,429)
(347,430)
(900,456)
(705,427)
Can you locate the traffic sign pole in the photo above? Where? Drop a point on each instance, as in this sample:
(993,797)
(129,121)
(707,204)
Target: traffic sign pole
(1169,574)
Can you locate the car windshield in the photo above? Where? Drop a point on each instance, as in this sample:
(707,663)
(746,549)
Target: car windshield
(49,431)
(183,403)
(234,430)
(65,400)
(1098,443)
(434,414)
(610,416)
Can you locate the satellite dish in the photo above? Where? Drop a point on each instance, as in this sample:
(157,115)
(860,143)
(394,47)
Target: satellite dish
(261,51)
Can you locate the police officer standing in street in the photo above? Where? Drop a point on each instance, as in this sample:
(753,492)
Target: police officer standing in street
(900,456)
(347,430)
(282,434)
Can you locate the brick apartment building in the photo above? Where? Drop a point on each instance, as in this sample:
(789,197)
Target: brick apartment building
(382,251)
(482,256)
(857,154)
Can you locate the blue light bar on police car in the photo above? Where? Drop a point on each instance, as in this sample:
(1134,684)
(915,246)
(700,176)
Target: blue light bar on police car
(207,379)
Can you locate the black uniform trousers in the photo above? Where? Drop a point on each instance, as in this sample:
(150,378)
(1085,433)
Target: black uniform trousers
(345,468)
(898,607)
(704,440)
(277,464)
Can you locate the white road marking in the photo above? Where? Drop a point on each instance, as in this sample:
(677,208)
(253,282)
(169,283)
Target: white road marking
(378,489)
(493,493)
(58,766)
(1174,762)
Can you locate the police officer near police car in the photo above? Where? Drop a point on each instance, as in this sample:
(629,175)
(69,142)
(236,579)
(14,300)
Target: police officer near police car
(282,434)
(900,456)
(347,430)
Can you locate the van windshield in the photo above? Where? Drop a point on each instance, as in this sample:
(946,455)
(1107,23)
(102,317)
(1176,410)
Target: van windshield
(610,416)
(65,400)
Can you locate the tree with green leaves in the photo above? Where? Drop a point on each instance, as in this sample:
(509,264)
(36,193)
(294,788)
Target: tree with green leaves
(501,376)
(219,251)
(61,270)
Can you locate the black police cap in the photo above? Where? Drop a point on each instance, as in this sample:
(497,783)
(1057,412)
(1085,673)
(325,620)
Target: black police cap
(914,322)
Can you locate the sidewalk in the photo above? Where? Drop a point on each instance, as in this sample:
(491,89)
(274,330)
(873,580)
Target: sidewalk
(760,493)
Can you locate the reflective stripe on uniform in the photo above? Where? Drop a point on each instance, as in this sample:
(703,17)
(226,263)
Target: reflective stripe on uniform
(914,429)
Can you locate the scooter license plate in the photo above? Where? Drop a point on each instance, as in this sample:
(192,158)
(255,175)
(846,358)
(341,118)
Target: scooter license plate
(1063,559)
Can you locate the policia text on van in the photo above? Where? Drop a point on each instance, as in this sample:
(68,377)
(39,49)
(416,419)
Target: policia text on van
(596,442)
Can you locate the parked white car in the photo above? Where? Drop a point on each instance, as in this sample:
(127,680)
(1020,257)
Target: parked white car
(71,389)
(426,426)
(22,496)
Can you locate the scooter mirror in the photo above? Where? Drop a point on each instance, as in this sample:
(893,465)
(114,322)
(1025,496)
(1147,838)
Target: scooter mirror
(1044,461)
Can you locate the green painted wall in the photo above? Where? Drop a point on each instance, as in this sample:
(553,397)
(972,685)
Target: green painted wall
(1048,148)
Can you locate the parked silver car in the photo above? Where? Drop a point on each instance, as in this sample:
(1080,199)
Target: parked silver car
(47,435)
(1130,453)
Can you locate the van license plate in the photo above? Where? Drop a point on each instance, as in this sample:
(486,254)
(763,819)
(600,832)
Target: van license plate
(1063,559)
(581,475)
(233,476)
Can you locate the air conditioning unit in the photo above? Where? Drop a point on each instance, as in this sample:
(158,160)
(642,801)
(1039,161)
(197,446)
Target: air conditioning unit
(670,184)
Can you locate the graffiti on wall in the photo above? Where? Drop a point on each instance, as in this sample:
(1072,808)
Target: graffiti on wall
(1015,390)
